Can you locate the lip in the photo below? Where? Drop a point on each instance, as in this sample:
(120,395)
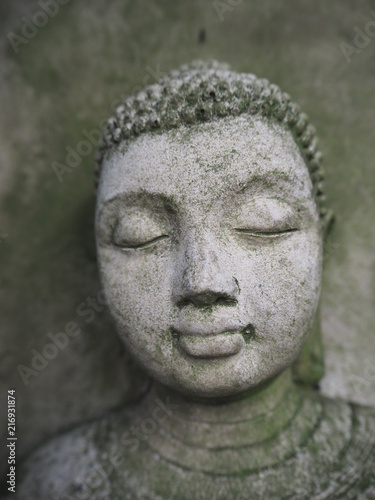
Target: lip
(201,342)
(197,329)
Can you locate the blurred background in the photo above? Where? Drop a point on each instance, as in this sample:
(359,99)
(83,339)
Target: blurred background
(64,66)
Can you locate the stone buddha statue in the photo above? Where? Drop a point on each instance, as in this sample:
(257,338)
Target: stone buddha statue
(210,224)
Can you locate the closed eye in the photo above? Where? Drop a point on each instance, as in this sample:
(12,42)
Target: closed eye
(266,234)
(140,246)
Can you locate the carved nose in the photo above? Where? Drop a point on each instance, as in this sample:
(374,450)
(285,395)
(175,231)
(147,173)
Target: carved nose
(203,277)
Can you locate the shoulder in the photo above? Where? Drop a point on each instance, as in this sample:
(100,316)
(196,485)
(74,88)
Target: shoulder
(71,465)
(361,454)
(346,437)
(48,470)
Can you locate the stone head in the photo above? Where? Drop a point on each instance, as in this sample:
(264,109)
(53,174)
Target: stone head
(209,225)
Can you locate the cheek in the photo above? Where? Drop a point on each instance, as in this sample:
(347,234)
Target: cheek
(138,292)
(282,287)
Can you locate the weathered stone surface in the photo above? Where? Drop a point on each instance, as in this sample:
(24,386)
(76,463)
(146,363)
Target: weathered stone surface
(218,223)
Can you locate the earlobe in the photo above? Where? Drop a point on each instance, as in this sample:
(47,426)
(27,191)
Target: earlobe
(309,367)
(328,220)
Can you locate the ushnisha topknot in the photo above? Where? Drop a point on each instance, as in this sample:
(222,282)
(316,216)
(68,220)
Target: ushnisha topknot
(207,91)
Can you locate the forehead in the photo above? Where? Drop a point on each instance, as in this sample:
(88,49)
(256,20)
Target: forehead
(201,162)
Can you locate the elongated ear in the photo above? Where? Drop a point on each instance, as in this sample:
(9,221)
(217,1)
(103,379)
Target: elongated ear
(309,367)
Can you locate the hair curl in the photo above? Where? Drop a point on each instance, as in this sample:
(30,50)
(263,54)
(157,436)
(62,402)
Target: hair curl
(204,92)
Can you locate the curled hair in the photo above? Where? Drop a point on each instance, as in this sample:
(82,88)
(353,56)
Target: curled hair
(205,92)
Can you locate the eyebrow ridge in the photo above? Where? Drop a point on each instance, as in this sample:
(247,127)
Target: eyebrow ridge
(271,178)
(132,198)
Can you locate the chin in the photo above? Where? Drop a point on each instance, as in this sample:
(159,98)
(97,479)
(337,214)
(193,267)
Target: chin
(215,391)
(214,379)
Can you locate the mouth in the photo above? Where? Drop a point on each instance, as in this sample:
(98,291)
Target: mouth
(213,345)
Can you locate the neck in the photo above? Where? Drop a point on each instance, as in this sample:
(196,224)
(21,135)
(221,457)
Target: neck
(246,406)
(241,434)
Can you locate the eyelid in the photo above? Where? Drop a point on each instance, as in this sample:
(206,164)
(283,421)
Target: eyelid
(140,246)
(266,234)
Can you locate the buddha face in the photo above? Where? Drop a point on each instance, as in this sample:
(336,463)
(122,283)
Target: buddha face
(210,253)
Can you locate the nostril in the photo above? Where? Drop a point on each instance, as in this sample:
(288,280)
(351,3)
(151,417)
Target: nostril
(203,299)
(184,302)
(207,300)
(225,301)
